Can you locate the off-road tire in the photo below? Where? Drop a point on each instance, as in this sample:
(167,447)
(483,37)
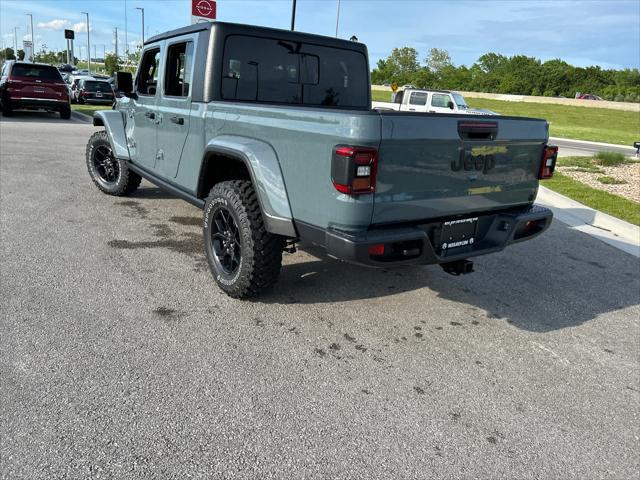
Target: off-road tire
(260,251)
(65,113)
(126,181)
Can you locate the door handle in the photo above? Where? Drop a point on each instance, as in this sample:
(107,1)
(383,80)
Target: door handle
(150,115)
(177,120)
(432,111)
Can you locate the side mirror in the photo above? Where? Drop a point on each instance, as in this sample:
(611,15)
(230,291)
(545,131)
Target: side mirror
(124,84)
(450,105)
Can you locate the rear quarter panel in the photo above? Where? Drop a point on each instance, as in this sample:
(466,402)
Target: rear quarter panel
(303,139)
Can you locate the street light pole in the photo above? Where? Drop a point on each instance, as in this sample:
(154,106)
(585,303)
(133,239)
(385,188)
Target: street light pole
(293,15)
(15,40)
(142,11)
(126,39)
(33,42)
(337,18)
(88,45)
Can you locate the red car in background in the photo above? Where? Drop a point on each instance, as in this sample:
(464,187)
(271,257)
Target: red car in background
(33,86)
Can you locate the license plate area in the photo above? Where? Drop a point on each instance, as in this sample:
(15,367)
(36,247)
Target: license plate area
(458,234)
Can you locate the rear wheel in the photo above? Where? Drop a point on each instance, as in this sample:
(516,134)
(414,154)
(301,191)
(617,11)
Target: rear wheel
(244,258)
(65,113)
(110,174)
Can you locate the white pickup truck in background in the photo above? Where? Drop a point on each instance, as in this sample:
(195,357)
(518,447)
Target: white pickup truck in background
(429,101)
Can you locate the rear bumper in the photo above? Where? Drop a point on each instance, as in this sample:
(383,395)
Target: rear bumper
(496,230)
(28,102)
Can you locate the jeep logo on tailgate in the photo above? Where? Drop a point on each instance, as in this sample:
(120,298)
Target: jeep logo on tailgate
(468,161)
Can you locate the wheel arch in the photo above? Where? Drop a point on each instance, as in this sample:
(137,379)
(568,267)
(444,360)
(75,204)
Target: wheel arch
(113,122)
(229,157)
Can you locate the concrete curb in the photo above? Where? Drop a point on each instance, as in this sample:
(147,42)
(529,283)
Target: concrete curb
(82,117)
(617,233)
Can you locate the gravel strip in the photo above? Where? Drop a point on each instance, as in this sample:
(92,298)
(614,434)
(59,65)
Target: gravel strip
(630,173)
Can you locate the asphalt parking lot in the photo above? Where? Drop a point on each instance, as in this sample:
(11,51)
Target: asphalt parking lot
(121,359)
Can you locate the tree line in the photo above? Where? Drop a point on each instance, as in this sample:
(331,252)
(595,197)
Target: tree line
(496,73)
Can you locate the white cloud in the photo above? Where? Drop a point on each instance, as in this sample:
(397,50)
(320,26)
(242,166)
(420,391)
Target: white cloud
(81,27)
(55,24)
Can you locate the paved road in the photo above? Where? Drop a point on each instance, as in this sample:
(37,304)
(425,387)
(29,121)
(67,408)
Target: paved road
(568,148)
(120,359)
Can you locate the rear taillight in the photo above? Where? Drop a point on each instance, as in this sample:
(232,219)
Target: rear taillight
(548,163)
(354,169)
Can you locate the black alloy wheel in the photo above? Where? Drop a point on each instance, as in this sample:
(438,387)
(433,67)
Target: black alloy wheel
(225,241)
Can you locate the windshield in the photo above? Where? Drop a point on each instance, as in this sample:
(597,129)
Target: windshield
(460,102)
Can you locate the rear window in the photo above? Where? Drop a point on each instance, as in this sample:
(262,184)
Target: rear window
(95,86)
(275,71)
(41,72)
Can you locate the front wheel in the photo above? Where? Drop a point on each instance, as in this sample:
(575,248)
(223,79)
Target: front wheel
(110,174)
(244,258)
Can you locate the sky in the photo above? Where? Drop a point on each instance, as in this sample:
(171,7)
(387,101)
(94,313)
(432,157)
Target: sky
(583,33)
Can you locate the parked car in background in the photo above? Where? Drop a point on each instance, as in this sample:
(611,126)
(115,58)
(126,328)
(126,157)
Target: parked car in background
(73,82)
(431,101)
(406,86)
(90,90)
(33,86)
(66,68)
(588,96)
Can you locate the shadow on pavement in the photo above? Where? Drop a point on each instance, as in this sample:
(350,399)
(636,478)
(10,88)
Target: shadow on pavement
(561,279)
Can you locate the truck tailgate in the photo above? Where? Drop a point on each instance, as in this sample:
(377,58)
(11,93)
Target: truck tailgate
(435,166)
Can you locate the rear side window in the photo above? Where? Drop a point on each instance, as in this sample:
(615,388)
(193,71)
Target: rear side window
(178,70)
(440,100)
(268,70)
(40,72)
(148,72)
(418,98)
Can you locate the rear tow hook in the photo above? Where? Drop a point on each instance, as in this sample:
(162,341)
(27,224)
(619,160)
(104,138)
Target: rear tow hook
(459,267)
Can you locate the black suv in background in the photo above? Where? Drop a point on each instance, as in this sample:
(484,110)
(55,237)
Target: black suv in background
(33,86)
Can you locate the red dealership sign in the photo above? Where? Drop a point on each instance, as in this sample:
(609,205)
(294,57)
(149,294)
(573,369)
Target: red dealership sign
(203,11)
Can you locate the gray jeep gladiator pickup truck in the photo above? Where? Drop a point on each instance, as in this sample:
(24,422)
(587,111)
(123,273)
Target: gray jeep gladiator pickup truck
(272,134)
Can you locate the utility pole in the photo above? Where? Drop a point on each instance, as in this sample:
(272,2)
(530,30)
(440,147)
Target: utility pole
(337,18)
(142,11)
(104,52)
(117,43)
(293,15)
(88,45)
(33,42)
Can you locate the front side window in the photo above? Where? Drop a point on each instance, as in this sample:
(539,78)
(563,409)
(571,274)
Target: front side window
(276,71)
(418,98)
(178,70)
(148,73)
(440,100)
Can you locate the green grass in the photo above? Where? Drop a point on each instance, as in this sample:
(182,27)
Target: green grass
(580,164)
(89,109)
(580,123)
(610,180)
(609,159)
(606,202)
